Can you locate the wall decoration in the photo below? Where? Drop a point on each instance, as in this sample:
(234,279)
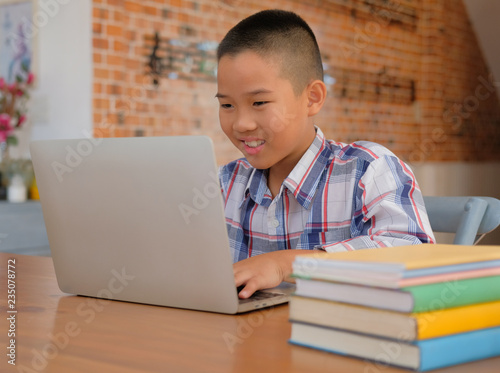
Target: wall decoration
(368,86)
(180,59)
(17,38)
(401,13)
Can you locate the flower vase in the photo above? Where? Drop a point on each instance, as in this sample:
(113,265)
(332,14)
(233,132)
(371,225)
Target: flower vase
(17,192)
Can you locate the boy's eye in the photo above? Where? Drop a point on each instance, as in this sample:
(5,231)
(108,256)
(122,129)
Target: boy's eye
(260,103)
(226,106)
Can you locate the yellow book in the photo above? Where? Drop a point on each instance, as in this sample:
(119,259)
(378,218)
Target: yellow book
(457,320)
(391,324)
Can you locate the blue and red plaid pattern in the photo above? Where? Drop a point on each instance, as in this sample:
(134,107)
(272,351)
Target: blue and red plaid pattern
(338,197)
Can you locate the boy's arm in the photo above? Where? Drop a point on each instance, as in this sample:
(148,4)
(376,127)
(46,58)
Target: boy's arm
(390,210)
(265,271)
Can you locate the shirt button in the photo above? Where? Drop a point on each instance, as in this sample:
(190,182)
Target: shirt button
(275,223)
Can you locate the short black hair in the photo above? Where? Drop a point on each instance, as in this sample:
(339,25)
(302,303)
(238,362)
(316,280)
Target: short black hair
(282,35)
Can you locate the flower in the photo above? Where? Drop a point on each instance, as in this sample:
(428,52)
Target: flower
(4,119)
(5,127)
(13,99)
(20,120)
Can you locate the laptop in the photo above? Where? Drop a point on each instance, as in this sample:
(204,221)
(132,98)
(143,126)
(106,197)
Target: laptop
(140,220)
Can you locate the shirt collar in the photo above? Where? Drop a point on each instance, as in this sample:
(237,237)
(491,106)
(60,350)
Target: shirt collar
(305,176)
(302,181)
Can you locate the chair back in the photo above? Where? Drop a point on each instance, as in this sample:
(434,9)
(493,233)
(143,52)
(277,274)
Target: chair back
(470,218)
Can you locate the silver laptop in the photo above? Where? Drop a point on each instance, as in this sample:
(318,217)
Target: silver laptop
(140,220)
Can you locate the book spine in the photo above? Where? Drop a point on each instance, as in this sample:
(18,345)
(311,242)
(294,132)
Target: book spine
(454,293)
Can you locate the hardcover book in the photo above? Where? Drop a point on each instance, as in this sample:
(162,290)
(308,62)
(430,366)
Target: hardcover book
(423,355)
(395,325)
(394,267)
(420,298)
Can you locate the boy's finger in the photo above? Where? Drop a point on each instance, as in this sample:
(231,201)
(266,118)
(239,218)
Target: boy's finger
(247,291)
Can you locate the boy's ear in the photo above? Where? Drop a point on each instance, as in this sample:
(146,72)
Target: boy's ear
(316,94)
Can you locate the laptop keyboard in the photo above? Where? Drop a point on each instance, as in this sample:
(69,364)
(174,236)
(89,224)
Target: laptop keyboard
(260,295)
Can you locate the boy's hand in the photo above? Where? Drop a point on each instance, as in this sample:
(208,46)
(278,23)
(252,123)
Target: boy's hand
(265,271)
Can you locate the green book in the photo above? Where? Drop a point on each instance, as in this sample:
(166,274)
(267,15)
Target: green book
(454,293)
(419,298)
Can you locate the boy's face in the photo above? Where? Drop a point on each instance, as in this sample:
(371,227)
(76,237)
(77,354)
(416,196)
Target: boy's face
(260,113)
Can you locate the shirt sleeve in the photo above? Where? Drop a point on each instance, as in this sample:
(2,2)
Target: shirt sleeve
(389,209)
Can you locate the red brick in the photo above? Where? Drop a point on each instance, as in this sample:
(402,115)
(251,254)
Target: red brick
(443,64)
(98,58)
(114,30)
(97,88)
(100,43)
(100,13)
(101,73)
(101,103)
(118,46)
(133,6)
(96,28)
(115,60)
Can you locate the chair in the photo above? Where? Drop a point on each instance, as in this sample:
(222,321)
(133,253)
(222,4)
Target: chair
(470,218)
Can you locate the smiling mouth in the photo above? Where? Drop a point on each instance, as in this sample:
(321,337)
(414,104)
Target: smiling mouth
(254,144)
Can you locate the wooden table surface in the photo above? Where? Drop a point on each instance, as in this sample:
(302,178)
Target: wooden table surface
(57,332)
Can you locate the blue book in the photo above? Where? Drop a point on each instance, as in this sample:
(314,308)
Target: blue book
(421,355)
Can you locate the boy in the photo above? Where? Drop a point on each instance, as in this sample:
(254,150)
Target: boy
(296,190)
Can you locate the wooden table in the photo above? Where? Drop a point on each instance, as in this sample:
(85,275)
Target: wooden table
(56,332)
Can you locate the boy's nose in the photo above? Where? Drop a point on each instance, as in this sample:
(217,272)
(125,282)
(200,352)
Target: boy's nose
(244,123)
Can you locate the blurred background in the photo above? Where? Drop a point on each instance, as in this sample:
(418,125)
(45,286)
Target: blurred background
(420,77)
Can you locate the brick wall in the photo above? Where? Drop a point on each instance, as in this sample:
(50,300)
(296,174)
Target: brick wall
(408,74)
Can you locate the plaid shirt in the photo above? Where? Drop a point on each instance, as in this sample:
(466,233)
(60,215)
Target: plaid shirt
(338,197)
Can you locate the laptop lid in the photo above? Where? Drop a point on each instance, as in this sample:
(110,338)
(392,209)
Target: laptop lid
(137,219)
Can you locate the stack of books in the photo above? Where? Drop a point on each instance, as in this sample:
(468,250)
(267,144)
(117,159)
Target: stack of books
(420,307)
